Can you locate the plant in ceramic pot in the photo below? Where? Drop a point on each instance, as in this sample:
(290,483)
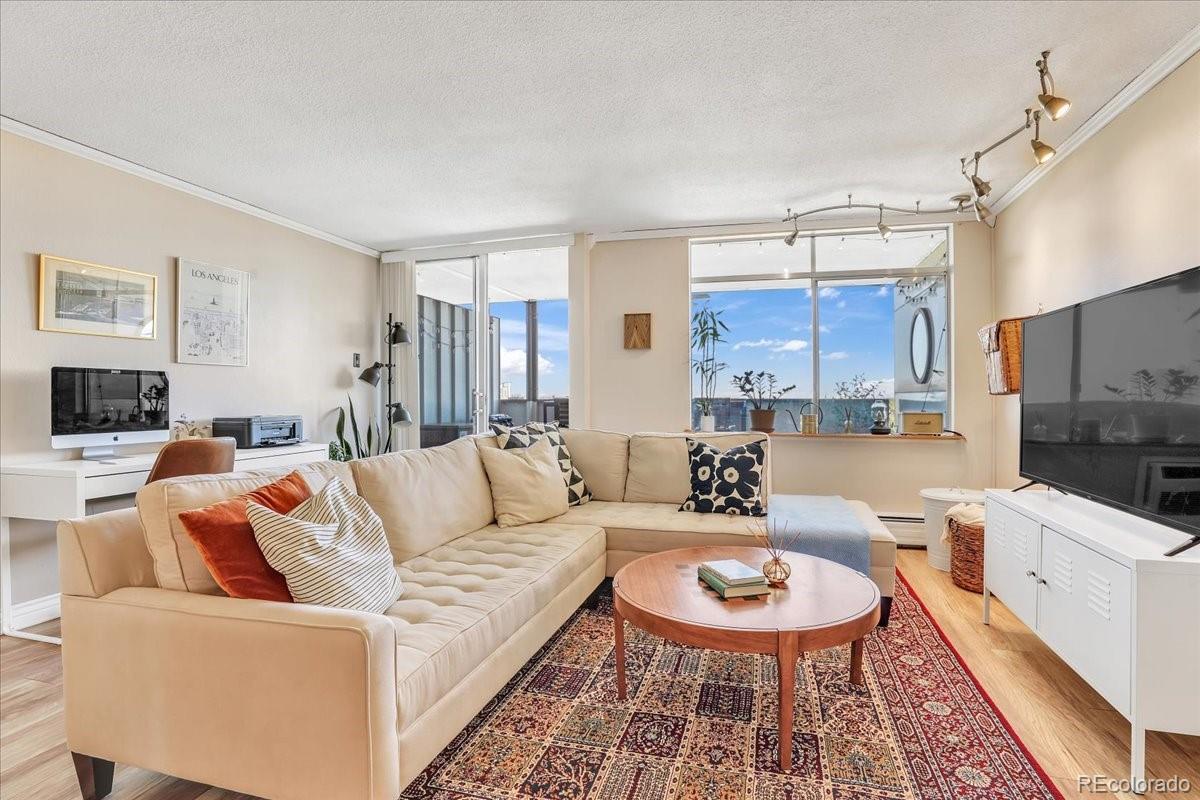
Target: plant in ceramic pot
(707,333)
(763,391)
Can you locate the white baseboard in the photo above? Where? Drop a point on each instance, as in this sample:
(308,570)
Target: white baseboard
(34,612)
(909,532)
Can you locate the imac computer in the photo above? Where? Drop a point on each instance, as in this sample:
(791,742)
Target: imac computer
(98,409)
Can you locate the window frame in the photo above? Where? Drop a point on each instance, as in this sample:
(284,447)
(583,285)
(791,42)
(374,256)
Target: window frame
(813,278)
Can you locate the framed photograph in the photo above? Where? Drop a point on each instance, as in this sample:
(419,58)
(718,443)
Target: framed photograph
(212,315)
(81,297)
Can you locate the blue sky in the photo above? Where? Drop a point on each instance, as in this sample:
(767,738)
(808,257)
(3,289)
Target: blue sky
(553,373)
(771,329)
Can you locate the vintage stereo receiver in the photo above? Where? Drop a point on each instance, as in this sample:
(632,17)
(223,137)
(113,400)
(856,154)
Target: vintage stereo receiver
(260,431)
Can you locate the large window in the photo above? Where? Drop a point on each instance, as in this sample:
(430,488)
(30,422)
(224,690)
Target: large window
(520,373)
(848,319)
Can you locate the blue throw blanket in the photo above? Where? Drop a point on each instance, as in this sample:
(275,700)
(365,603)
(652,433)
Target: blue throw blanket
(830,528)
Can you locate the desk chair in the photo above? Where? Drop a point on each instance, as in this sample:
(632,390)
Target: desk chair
(193,457)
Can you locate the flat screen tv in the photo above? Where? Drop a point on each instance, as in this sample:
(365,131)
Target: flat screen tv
(1110,400)
(98,408)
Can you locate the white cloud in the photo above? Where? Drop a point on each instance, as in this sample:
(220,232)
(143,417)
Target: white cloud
(829,291)
(512,363)
(836,355)
(884,291)
(744,344)
(774,345)
(841,304)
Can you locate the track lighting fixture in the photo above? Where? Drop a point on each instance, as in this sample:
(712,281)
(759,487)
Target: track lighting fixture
(1055,107)
(1042,152)
(884,231)
(790,239)
(979,186)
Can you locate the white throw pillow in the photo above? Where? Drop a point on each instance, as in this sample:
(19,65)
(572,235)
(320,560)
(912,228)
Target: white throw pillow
(331,549)
(527,483)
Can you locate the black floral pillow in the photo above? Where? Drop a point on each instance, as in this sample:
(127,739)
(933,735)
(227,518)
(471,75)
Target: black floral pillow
(727,482)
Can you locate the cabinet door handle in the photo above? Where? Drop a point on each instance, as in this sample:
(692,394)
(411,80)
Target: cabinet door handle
(1042,581)
(1030,574)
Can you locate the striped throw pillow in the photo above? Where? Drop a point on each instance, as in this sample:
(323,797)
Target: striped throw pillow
(331,549)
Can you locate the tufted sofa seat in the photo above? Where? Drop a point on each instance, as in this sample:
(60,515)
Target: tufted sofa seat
(283,700)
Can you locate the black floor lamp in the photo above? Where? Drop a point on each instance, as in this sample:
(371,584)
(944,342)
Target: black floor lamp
(394,333)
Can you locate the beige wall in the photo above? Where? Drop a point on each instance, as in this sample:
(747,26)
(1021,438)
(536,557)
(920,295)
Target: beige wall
(643,390)
(312,306)
(639,390)
(1120,210)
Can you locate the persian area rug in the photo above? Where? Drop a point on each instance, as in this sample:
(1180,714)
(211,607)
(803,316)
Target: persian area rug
(701,724)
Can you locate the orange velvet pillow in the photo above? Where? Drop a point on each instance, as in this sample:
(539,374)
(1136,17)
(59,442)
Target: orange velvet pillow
(223,536)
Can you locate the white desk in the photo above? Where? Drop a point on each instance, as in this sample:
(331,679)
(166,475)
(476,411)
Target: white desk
(55,490)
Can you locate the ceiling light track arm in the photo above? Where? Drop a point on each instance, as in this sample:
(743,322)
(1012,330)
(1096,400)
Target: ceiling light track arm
(872,206)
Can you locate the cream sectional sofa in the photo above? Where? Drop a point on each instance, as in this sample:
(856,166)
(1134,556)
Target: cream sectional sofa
(285,700)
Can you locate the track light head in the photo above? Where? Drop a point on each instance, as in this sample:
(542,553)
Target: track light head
(982,187)
(982,212)
(885,232)
(790,239)
(1056,107)
(1042,152)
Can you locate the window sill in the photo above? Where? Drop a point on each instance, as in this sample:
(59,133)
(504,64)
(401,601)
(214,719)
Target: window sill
(861,437)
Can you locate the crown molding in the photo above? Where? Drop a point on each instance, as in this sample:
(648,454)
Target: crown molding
(1167,63)
(109,160)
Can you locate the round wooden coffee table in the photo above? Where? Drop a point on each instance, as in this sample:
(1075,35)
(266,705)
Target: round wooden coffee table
(823,605)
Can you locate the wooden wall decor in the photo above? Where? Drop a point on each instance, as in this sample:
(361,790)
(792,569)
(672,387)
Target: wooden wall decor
(637,331)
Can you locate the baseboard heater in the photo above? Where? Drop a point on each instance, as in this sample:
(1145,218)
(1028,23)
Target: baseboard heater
(909,530)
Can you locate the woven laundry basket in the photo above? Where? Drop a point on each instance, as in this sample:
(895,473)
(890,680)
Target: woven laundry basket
(966,555)
(1001,343)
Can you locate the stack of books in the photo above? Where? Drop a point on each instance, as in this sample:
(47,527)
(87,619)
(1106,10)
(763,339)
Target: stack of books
(732,578)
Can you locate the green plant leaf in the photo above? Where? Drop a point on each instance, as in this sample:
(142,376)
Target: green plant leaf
(354,429)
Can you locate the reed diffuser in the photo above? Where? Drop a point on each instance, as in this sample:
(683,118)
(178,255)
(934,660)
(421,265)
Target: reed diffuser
(776,537)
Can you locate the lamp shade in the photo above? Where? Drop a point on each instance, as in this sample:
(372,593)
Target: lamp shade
(398,334)
(1056,107)
(398,414)
(372,374)
(1042,152)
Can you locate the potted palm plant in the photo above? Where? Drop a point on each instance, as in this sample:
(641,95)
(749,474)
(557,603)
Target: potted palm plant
(763,391)
(707,330)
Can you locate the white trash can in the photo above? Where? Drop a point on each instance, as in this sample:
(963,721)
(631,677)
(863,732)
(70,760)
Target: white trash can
(937,503)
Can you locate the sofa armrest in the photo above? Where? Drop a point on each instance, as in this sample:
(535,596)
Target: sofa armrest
(273,699)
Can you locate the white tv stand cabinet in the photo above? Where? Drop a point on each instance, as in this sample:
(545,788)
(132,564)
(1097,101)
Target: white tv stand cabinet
(1093,583)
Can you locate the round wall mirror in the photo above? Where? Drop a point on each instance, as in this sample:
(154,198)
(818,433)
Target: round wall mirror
(920,342)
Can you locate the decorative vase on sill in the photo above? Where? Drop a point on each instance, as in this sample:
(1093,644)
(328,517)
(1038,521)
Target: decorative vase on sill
(708,423)
(762,420)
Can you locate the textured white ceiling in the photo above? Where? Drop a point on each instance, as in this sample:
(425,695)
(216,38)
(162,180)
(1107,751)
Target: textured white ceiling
(395,124)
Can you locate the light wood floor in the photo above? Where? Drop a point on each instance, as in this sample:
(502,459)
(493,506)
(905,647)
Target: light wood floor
(1070,729)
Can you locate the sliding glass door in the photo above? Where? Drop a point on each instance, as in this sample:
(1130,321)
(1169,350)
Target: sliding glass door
(520,371)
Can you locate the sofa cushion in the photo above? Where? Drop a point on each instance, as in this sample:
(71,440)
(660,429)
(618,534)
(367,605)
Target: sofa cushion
(426,497)
(331,549)
(526,483)
(177,562)
(725,482)
(521,436)
(223,535)
(465,598)
(602,457)
(658,464)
